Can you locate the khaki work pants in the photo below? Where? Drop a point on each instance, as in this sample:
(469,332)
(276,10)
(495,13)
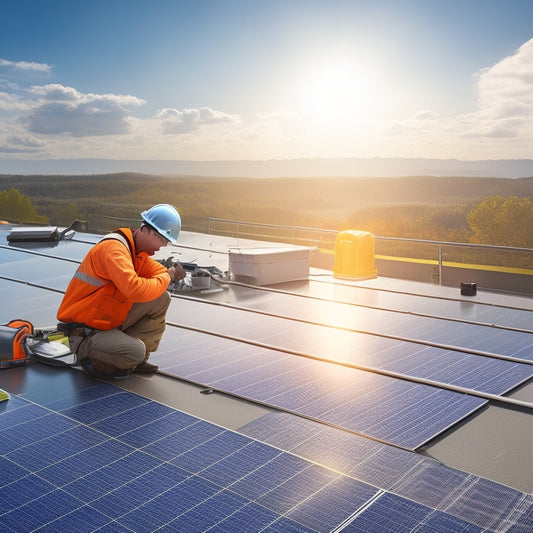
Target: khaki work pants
(130,344)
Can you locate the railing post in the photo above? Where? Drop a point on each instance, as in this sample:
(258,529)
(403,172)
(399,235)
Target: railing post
(440,264)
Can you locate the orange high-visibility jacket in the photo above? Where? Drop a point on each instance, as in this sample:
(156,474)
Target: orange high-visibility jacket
(111,278)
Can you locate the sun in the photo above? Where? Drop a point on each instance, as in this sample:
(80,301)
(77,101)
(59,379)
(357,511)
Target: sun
(338,93)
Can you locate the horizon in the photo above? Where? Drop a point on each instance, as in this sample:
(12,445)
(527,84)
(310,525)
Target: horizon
(277,168)
(252,81)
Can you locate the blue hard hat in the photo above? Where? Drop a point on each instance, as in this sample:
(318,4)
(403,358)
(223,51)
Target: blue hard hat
(165,219)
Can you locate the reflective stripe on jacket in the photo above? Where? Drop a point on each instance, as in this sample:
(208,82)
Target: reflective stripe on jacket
(111,278)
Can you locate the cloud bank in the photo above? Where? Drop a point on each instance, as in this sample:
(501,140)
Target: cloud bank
(64,110)
(55,120)
(505,98)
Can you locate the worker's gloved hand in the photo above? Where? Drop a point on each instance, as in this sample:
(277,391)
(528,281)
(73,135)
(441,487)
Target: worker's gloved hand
(176,272)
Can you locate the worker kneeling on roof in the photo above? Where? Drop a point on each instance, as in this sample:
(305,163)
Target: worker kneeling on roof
(115,306)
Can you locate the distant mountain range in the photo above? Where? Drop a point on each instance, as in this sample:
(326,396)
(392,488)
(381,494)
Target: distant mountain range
(287,168)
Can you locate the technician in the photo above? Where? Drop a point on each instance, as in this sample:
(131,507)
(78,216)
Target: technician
(115,306)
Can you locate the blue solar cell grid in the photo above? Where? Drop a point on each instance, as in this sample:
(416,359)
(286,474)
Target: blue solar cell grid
(77,464)
(417,489)
(63,470)
(271,308)
(359,401)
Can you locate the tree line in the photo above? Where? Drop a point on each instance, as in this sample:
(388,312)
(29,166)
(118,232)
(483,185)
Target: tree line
(478,210)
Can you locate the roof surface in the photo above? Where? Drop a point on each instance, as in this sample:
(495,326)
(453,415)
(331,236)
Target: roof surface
(316,404)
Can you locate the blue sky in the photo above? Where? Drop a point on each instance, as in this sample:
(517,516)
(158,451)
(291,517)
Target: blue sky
(269,79)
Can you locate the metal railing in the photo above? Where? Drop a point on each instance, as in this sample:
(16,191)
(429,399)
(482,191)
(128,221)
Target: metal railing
(436,255)
(295,235)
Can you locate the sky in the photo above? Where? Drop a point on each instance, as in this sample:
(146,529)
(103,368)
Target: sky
(210,80)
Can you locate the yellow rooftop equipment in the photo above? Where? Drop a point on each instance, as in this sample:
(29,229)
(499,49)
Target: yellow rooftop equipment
(355,255)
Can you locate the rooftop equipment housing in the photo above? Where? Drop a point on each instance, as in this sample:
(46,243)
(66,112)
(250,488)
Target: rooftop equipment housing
(45,233)
(267,266)
(34,234)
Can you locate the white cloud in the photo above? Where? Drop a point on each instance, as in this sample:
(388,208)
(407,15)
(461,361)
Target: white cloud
(175,121)
(57,92)
(55,120)
(24,66)
(505,101)
(501,126)
(511,77)
(11,102)
(61,110)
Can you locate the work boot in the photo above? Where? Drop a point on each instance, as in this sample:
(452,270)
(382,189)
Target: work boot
(146,368)
(90,368)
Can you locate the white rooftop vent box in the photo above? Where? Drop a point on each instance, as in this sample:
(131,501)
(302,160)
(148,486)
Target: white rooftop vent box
(267,266)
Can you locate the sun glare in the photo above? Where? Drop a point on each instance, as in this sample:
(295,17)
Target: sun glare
(338,94)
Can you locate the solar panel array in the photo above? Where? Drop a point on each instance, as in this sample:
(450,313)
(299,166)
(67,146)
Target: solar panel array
(289,333)
(400,412)
(112,460)
(412,358)
(430,329)
(108,460)
(82,459)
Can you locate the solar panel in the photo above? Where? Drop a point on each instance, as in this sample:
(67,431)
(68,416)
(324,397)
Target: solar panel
(487,503)
(390,513)
(332,503)
(39,307)
(159,469)
(403,413)
(52,273)
(347,346)
(487,310)
(384,322)
(62,466)
(419,490)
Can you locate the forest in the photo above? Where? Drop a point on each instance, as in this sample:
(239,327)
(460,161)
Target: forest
(455,209)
